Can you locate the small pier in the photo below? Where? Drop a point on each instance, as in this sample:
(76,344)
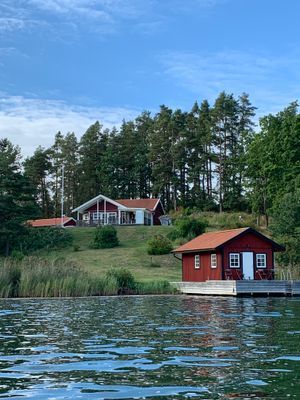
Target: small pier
(240,287)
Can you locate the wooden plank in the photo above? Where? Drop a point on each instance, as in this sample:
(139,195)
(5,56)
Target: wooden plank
(234,288)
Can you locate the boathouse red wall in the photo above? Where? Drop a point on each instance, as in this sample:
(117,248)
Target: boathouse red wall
(249,242)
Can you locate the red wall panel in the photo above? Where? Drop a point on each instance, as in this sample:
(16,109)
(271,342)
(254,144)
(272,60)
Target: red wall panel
(205,272)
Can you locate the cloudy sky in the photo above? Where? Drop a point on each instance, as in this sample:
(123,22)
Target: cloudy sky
(66,63)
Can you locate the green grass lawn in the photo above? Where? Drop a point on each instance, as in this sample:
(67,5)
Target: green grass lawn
(131,254)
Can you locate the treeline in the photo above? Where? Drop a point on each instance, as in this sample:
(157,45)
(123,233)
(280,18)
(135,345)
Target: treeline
(188,159)
(209,158)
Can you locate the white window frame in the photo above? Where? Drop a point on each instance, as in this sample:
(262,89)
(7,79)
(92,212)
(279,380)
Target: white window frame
(234,257)
(197,261)
(85,216)
(259,258)
(213,260)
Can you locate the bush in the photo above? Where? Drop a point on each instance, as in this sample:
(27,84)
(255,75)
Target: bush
(159,244)
(76,247)
(188,227)
(105,238)
(124,279)
(42,238)
(17,255)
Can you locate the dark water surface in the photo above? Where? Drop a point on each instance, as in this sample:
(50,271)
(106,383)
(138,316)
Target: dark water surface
(170,347)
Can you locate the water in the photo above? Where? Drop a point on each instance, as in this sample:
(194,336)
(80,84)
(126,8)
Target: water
(164,347)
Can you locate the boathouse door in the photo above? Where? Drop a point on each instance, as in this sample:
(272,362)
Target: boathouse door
(248,270)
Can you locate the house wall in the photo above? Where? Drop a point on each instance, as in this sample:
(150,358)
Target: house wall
(158,212)
(139,217)
(70,223)
(205,272)
(252,243)
(109,207)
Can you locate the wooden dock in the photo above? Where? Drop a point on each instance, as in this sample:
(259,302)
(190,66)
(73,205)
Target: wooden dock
(240,288)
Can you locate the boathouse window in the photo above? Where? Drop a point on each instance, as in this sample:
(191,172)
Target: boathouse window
(234,260)
(261,260)
(213,261)
(197,261)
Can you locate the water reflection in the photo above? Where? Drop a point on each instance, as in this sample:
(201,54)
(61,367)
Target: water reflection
(150,347)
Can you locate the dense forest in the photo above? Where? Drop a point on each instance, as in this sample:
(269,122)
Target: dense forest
(212,157)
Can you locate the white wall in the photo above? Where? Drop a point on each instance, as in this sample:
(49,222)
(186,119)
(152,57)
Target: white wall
(139,217)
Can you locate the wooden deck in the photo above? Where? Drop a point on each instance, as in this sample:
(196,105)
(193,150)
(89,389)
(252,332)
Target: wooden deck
(236,288)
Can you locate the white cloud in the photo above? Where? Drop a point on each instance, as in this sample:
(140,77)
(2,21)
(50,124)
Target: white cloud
(263,77)
(30,122)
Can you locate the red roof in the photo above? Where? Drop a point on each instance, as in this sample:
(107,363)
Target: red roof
(47,222)
(139,203)
(210,240)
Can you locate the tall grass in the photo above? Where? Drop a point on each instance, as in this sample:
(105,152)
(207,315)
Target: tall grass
(37,277)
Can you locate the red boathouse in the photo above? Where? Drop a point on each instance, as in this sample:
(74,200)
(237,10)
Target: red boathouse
(233,254)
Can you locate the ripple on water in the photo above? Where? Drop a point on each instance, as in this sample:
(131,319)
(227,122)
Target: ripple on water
(150,347)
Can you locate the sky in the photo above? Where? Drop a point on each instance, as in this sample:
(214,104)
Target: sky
(66,63)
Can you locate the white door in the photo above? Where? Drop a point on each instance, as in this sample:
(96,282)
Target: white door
(248,270)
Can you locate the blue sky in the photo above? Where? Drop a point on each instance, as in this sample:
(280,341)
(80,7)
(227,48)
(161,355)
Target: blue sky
(66,63)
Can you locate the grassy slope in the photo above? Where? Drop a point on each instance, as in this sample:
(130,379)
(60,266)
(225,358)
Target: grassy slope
(131,254)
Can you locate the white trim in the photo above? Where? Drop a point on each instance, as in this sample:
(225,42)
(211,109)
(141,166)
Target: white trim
(235,258)
(214,264)
(265,260)
(89,203)
(197,261)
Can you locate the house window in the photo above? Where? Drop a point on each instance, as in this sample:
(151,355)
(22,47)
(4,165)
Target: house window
(261,260)
(85,217)
(112,218)
(96,216)
(197,261)
(234,260)
(213,261)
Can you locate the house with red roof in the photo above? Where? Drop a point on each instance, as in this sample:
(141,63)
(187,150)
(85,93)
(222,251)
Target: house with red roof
(101,210)
(233,254)
(52,222)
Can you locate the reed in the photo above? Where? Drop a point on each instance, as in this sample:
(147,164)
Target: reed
(38,277)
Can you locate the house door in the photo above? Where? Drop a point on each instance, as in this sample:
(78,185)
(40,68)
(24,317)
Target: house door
(248,268)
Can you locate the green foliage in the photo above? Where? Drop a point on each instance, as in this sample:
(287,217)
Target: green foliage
(188,227)
(273,162)
(37,277)
(105,237)
(159,244)
(17,201)
(43,238)
(76,247)
(124,279)
(286,229)
(37,168)
(155,287)
(17,255)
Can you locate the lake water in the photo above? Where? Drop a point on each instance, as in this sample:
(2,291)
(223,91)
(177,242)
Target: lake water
(164,347)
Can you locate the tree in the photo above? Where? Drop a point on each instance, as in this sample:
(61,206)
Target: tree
(92,148)
(273,159)
(17,196)
(286,228)
(37,169)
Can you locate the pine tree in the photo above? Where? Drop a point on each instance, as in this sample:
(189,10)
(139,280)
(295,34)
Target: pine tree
(37,169)
(17,200)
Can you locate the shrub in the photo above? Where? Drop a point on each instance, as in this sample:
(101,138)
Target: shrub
(76,247)
(42,238)
(159,244)
(188,227)
(124,279)
(105,238)
(17,255)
